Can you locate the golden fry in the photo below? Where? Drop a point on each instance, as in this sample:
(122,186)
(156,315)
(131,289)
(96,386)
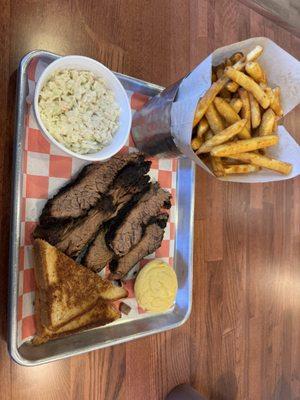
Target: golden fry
(240,169)
(214,119)
(208,98)
(249,84)
(236,57)
(229,114)
(215,88)
(196,143)
(255,111)
(267,123)
(275,104)
(243,146)
(222,137)
(225,94)
(269,93)
(228,62)
(245,112)
(220,70)
(230,161)
(236,104)
(208,135)
(202,127)
(217,166)
(265,162)
(232,86)
(254,54)
(255,70)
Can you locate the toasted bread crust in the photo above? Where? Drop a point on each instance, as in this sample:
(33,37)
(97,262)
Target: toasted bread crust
(99,315)
(69,297)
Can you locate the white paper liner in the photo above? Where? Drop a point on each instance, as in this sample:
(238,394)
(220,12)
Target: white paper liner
(282,70)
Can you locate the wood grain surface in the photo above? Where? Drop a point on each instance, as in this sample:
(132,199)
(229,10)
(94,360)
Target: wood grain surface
(285,13)
(242,340)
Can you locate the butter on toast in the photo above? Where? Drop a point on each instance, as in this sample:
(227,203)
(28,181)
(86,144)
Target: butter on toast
(67,291)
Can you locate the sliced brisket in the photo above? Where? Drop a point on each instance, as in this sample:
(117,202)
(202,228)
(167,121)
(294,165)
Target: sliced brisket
(151,241)
(77,197)
(84,232)
(124,236)
(98,254)
(73,236)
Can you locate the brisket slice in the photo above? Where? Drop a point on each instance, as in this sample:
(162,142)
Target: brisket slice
(72,237)
(77,197)
(98,254)
(74,242)
(99,246)
(125,235)
(151,241)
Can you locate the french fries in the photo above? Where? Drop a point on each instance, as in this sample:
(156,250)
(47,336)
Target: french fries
(228,62)
(275,103)
(265,162)
(214,119)
(245,112)
(236,57)
(255,53)
(243,146)
(217,166)
(225,94)
(208,135)
(208,98)
(222,137)
(196,143)
(236,104)
(229,114)
(240,169)
(249,84)
(213,91)
(220,70)
(232,86)
(256,72)
(202,127)
(267,123)
(236,120)
(254,111)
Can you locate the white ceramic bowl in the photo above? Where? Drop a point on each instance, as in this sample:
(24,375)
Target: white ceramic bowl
(88,64)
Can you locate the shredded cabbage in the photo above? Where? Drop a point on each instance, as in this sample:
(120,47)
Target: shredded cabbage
(79,111)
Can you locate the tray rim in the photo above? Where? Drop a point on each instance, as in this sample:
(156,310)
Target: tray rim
(13,349)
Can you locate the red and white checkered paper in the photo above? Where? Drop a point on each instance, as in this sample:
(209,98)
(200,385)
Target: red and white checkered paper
(45,169)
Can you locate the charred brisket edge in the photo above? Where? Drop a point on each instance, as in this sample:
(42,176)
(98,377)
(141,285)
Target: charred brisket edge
(129,175)
(161,220)
(46,219)
(125,177)
(106,224)
(119,217)
(132,177)
(119,221)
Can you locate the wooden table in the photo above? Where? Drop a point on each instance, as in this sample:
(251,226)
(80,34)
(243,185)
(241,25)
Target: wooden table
(243,338)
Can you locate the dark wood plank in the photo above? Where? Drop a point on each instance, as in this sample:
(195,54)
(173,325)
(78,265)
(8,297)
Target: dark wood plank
(242,340)
(284,13)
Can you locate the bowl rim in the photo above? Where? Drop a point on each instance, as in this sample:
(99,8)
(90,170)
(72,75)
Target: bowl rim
(127,109)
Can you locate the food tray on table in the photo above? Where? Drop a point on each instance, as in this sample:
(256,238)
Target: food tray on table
(39,170)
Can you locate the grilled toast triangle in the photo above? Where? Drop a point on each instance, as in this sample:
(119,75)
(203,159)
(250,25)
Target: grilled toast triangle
(67,290)
(100,314)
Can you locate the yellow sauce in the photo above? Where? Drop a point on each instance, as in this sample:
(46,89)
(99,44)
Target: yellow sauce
(156,286)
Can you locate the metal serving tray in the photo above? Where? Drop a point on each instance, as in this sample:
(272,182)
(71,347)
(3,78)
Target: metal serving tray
(122,331)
